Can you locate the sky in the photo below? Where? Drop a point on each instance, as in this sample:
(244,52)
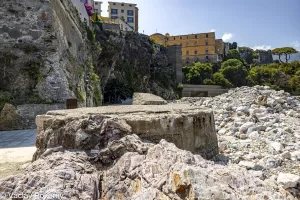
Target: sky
(259,24)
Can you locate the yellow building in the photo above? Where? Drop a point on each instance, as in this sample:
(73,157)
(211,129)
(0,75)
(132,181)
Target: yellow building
(202,47)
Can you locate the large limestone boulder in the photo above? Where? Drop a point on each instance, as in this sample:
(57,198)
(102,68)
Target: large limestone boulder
(189,128)
(9,118)
(132,169)
(147,99)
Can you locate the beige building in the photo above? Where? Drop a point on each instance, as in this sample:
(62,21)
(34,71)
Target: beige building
(202,47)
(126,12)
(97,7)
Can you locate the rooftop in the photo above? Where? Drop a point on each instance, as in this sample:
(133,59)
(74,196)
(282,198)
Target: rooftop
(122,3)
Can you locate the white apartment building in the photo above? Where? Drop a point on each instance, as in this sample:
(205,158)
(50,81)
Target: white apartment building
(97,7)
(126,12)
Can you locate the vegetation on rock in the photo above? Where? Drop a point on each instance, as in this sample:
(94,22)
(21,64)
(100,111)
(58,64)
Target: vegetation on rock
(236,71)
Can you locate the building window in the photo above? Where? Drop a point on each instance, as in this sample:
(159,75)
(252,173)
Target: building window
(206,57)
(206,51)
(96,10)
(114,4)
(187,44)
(96,3)
(130,19)
(180,37)
(130,5)
(206,35)
(195,36)
(122,11)
(114,11)
(122,4)
(187,52)
(206,42)
(174,38)
(196,52)
(196,43)
(130,12)
(187,62)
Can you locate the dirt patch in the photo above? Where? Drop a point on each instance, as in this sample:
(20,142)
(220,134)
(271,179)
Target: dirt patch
(8,169)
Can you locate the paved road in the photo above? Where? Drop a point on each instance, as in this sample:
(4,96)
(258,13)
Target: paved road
(20,138)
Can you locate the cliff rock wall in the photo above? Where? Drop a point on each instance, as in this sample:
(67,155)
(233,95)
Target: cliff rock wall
(130,62)
(38,42)
(44,53)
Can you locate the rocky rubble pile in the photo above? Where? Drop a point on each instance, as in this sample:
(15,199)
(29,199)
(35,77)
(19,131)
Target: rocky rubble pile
(258,132)
(258,129)
(131,169)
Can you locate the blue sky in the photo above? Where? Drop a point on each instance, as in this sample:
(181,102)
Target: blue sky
(261,24)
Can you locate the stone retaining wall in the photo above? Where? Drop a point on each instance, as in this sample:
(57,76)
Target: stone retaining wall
(202,90)
(23,116)
(111,27)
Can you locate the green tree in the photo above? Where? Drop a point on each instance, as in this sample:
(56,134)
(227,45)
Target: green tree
(285,52)
(197,73)
(234,54)
(234,45)
(219,79)
(234,71)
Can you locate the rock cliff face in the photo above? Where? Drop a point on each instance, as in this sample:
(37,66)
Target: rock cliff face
(47,53)
(130,62)
(42,51)
(44,54)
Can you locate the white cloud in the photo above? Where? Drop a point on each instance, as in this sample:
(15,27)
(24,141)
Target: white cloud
(296,44)
(212,30)
(262,47)
(227,36)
